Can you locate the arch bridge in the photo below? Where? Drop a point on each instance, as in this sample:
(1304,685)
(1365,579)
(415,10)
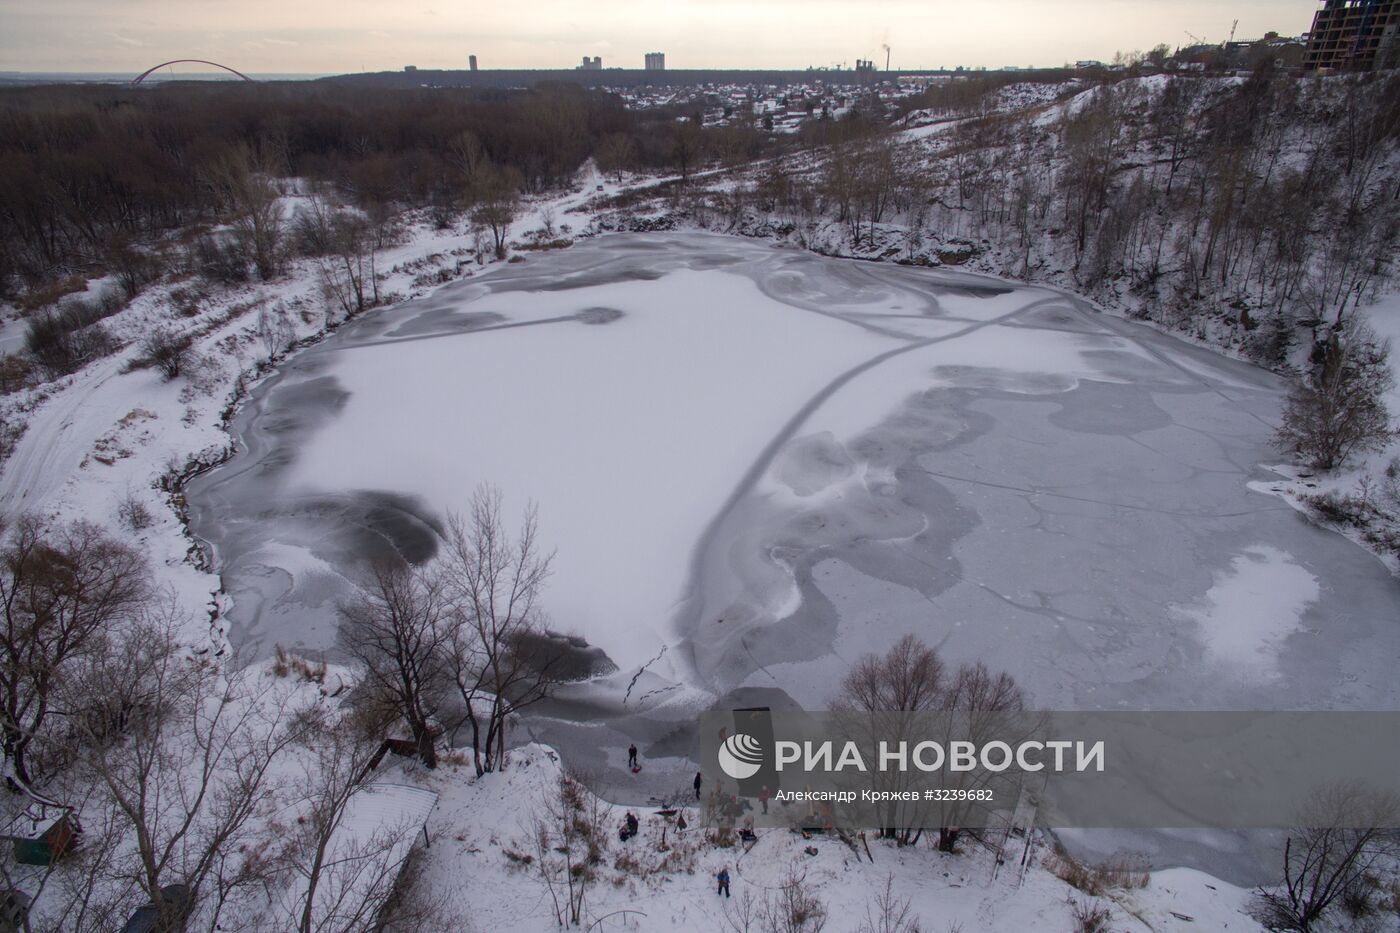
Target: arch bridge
(187,61)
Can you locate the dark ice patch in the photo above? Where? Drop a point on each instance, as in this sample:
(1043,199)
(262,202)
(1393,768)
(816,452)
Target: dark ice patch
(295,407)
(563,657)
(1108,408)
(986,377)
(362,526)
(446,321)
(597,315)
(589,279)
(394,523)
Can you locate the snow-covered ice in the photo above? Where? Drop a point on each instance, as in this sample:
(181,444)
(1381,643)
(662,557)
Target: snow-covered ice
(1251,608)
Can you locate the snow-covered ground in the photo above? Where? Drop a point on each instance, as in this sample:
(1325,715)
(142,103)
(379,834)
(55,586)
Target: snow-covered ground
(478,821)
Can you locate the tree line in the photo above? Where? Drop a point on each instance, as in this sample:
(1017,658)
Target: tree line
(93,177)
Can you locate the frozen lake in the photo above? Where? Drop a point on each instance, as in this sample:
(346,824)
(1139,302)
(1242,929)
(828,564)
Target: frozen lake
(758,464)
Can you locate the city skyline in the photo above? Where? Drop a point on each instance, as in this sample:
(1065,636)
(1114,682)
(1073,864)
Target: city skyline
(320,37)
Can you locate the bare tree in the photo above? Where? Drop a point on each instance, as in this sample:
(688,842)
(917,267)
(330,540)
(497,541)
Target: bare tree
(1341,410)
(253,202)
(502,657)
(686,143)
(396,630)
(496,193)
(909,678)
(350,273)
(1343,838)
(884,697)
(61,589)
(980,701)
(341,887)
(615,153)
(877,697)
(184,766)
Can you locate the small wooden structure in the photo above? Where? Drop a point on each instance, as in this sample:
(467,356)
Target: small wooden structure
(42,834)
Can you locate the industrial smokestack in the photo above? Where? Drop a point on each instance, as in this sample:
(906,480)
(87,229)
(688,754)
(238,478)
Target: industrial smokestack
(887,56)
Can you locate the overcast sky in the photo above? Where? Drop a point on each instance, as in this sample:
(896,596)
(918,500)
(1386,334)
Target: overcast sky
(332,36)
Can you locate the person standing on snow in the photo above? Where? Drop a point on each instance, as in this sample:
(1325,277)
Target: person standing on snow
(699,779)
(723,879)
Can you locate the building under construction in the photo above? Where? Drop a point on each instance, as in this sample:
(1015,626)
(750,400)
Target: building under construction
(1354,35)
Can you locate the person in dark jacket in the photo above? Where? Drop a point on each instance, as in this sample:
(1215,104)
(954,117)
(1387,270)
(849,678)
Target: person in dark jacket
(723,879)
(699,779)
(629,826)
(632,757)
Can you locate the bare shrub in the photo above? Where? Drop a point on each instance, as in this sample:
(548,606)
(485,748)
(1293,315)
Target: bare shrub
(133,268)
(167,351)
(185,301)
(1123,871)
(569,831)
(794,908)
(63,339)
(219,260)
(889,913)
(275,329)
(133,512)
(16,373)
(284,664)
(1090,915)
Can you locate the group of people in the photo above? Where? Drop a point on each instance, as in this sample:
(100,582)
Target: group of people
(631,825)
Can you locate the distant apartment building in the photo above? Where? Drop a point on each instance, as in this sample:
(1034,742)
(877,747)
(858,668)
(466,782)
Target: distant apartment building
(1354,35)
(471,62)
(591,64)
(656,61)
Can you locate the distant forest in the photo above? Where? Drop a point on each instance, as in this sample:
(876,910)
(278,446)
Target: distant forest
(90,173)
